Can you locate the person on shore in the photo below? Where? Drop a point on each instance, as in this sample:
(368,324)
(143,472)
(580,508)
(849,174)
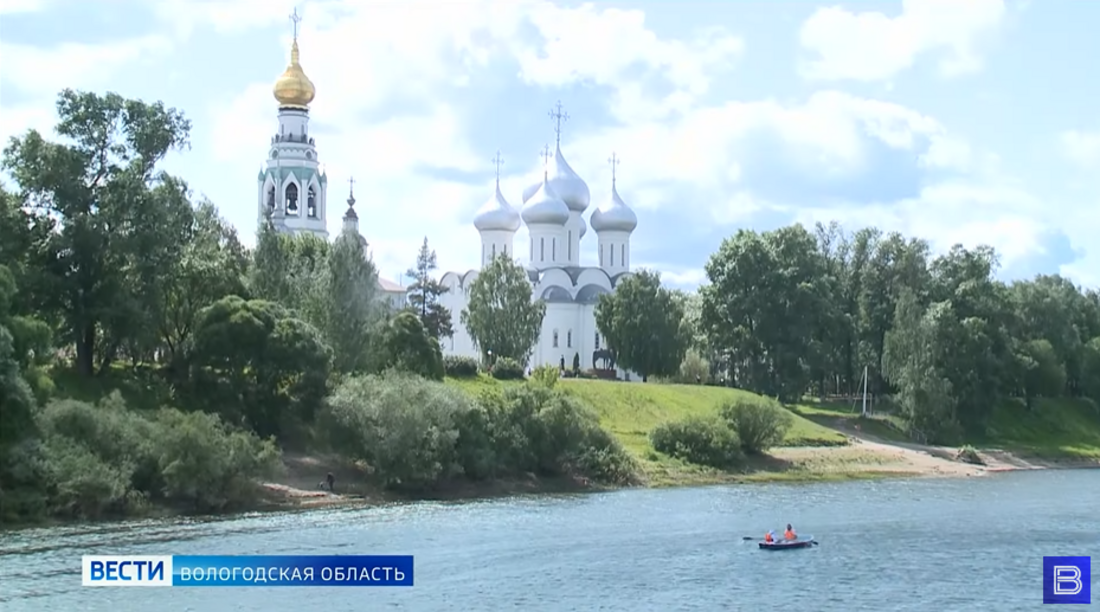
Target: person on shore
(769,538)
(331,480)
(790,534)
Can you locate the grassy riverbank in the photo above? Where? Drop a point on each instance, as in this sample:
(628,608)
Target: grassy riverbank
(829,442)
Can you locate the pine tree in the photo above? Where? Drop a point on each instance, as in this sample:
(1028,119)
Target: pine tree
(424,295)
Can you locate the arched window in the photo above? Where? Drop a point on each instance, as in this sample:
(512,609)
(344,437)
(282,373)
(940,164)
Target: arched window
(542,253)
(622,254)
(554,249)
(292,199)
(601,254)
(311,203)
(569,339)
(569,248)
(597,341)
(554,339)
(611,248)
(271,198)
(494,250)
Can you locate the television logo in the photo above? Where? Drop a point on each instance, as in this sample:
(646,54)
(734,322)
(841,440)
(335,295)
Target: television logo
(1067,580)
(128,570)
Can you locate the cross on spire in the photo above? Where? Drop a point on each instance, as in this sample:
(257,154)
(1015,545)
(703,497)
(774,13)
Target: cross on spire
(545,155)
(294,17)
(558,116)
(351,190)
(614,161)
(498,161)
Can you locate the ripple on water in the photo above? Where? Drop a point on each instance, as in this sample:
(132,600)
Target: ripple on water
(898,545)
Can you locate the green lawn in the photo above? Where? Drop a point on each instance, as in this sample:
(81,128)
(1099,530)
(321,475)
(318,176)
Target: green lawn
(630,411)
(1052,428)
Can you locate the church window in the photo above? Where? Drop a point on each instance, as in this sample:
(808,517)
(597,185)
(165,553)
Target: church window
(554,249)
(311,203)
(601,254)
(569,339)
(483,253)
(555,338)
(505,250)
(494,250)
(622,254)
(292,199)
(611,249)
(570,246)
(271,197)
(597,341)
(542,251)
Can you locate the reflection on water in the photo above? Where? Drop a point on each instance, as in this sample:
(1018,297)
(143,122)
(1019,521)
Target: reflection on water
(899,545)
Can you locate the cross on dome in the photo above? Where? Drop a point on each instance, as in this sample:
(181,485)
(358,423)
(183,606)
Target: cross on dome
(558,116)
(614,161)
(498,161)
(294,17)
(351,191)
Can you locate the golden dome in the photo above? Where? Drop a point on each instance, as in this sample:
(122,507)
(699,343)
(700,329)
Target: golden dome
(293,88)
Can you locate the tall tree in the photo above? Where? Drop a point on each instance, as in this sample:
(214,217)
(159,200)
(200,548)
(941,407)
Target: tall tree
(425,292)
(500,315)
(353,308)
(99,185)
(644,325)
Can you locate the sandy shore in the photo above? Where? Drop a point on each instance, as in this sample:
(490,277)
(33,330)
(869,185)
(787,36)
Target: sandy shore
(301,485)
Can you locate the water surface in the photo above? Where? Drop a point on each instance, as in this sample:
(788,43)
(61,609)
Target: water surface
(927,544)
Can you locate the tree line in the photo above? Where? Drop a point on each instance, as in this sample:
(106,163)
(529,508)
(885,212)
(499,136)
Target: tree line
(113,276)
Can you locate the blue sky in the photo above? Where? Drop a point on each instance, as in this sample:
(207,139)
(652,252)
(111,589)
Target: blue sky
(958,121)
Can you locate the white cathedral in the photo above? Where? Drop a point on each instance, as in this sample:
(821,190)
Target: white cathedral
(292,191)
(292,187)
(553,211)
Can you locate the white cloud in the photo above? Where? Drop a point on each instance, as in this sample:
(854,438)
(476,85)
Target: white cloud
(1082,148)
(871,46)
(11,7)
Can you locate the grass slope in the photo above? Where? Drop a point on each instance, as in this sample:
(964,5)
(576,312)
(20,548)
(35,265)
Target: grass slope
(631,411)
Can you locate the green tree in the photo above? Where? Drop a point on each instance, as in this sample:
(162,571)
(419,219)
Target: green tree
(425,292)
(500,315)
(257,365)
(406,346)
(644,325)
(353,308)
(116,212)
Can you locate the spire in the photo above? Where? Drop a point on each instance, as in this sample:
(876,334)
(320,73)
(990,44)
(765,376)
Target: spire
(558,116)
(351,200)
(498,161)
(293,88)
(614,161)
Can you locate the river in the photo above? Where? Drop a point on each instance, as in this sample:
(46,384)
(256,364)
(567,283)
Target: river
(925,544)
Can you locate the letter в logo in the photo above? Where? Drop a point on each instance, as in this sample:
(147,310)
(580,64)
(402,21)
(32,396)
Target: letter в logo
(1067,580)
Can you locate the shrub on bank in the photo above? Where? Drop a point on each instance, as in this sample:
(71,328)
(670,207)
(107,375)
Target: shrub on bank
(760,423)
(458,366)
(414,433)
(700,440)
(546,375)
(107,459)
(507,368)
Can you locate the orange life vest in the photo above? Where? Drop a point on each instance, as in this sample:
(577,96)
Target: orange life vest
(767,537)
(790,535)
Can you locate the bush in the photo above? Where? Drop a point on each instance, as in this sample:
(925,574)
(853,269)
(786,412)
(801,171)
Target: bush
(507,368)
(704,441)
(458,366)
(404,427)
(760,423)
(546,375)
(694,368)
(107,459)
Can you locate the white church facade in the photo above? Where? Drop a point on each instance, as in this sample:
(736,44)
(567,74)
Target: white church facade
(553,213)
(292,187)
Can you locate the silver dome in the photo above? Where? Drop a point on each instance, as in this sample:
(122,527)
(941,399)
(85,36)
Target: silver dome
(614,215)
(545,208)
(497,215)
(564,182)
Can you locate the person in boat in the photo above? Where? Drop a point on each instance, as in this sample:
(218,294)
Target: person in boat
(331,482)
(769,537)
(790,534)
